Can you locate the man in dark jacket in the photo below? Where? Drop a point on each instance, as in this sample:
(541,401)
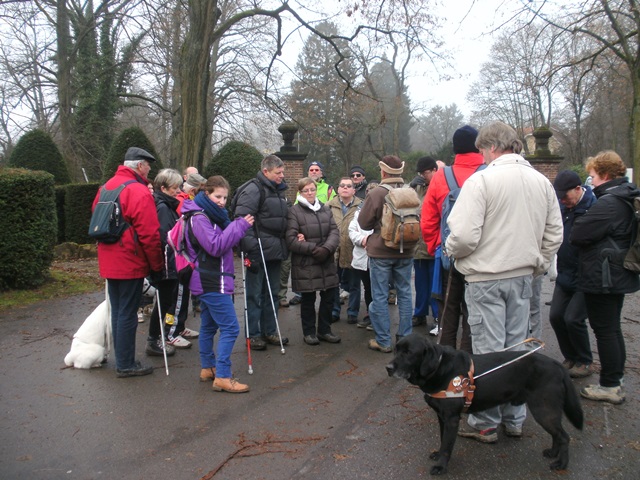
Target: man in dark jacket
(568,313)
(604,236)
(358,176)
(264,245)
(126,262)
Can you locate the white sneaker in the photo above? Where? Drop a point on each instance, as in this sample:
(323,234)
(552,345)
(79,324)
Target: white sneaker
(179,342)
(434,331)
(140,316)
(188,333)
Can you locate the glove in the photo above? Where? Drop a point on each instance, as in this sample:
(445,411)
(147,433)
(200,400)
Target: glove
(320,254)
(251,265)
(155,277)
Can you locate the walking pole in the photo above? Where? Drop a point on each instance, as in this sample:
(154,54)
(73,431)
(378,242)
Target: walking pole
(446,299)
(246,316)
(164,346)
(273,305)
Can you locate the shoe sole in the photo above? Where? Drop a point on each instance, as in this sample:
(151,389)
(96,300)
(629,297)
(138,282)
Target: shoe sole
(220,389)
(329,341)
(133,374)
(480,438)
(159,354)
(608,400)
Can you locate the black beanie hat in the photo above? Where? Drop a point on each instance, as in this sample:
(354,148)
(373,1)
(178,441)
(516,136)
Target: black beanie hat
(464,140)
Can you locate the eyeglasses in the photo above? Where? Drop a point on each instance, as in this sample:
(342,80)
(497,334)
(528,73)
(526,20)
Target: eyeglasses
(356,175)
(345,185)
(309,190)
(314,169)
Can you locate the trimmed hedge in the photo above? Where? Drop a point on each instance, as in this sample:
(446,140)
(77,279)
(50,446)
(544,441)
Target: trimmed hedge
(28,227)
(131,137)
(77,211)
(60,194)
(36,150)
(237,162)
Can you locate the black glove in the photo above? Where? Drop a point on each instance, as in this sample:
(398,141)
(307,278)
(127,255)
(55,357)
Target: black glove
(320,254)
(156,277)
(252,264)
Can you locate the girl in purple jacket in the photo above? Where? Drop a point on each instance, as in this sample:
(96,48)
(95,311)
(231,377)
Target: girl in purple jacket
(210,241)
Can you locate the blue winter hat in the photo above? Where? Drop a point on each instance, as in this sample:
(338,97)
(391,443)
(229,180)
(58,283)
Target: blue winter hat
(317,164)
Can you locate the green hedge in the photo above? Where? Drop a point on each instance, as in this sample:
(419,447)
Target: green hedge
(237,162)
(28,227)
(77,211)
(131,137)
(60,194)
(36,150)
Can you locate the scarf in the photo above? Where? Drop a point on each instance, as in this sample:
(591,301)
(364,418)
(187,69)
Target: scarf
(217,215)
(315,207)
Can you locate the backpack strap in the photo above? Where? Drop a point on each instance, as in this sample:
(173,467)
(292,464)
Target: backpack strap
(452,183)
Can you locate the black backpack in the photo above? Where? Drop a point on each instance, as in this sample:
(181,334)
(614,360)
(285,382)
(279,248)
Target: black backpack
(107,223)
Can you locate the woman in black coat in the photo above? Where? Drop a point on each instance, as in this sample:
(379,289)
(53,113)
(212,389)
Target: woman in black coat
(604,236)
(313,237)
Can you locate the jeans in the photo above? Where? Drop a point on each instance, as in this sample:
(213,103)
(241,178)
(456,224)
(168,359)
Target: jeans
(351,281)
(568,318)
(604,312)
(423,269)
(383,272)
(308,311)
(259,308)
(499,318)
(124,297)
(218,313)
(535,313)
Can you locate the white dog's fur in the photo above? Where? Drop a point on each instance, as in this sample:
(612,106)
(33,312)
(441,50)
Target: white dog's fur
(92,342)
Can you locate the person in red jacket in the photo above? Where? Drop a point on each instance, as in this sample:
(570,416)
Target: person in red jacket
(126,262)
(465,164)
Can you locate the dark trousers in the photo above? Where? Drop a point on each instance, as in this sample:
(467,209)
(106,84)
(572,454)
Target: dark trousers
(167,291)
(124,297)
(308,311)
(568,318)
(604,312)
(454,307)
(366,283)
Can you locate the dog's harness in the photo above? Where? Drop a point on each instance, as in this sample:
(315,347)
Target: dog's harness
(464,387)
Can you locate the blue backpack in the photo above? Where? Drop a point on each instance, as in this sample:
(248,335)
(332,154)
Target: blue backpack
(447,205)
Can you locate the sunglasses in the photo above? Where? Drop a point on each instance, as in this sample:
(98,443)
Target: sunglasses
(356,175)
(345,185)
(314,169)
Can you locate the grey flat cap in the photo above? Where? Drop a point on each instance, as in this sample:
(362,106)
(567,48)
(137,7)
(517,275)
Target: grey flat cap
(135,153)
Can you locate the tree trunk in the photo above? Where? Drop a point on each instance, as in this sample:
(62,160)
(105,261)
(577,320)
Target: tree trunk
(194,81)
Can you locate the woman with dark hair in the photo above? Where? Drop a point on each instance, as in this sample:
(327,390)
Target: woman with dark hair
(313,237)
(604,236)
(211,237)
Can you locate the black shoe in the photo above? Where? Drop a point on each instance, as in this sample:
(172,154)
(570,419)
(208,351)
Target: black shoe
(154,348)
(418,320)
(365,322)
(335,318)
(311,340)
(329,337)
(296,300)
(352,320)
(138,370)
(257,343)
(275,340)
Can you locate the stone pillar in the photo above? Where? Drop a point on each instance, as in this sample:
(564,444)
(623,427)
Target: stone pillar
(292,158)
(542,159)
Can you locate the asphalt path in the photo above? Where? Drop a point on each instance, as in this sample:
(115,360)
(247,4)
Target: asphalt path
(324,412)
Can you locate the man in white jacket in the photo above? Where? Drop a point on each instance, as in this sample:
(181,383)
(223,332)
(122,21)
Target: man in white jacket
(505,228)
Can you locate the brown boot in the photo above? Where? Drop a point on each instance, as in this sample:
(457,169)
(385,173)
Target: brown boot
(207,374)
(230,385)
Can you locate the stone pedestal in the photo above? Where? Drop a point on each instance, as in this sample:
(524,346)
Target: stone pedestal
(542,159)
(292,158)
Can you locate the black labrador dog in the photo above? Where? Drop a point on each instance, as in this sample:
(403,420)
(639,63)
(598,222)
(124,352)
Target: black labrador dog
(540,382)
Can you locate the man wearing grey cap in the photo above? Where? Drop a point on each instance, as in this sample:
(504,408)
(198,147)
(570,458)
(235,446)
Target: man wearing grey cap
(134,256)
(568,312)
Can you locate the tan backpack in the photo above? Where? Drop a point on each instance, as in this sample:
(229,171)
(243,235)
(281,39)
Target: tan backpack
(400,218)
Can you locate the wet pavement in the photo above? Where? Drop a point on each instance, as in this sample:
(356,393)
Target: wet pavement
(324,412)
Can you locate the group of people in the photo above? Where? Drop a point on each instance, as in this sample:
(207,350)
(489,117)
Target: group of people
(507,225)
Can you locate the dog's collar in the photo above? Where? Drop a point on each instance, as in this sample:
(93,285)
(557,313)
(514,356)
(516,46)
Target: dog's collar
(459,387)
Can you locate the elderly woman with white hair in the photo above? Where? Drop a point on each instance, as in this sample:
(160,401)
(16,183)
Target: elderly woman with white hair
(190,188)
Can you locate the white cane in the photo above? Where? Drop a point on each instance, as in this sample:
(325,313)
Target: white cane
(164,346)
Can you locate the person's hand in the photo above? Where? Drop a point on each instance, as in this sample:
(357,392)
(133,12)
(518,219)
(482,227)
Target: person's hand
(320,254)
(364,241)
(300,237)
(249,219)
(155,277)
(252,264)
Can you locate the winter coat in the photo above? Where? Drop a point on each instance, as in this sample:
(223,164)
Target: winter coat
(319,229)
(138,251)
(357,235)
(324,192)
(603,235)
(421,188)
(506,222)
(270,219)
(464,165)
(361,189)
(167,217)
(370,218)
(567,262)
(344,254)
(214,270)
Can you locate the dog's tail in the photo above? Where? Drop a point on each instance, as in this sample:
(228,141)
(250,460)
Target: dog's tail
(572,404)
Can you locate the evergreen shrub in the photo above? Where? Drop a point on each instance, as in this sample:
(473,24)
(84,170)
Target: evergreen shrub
(237,162)
(36,150)
(131,137)
(77,211)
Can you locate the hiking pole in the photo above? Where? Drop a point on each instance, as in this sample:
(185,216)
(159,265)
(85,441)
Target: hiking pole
(446,300)
(164,346)
(273,305)
(246,315)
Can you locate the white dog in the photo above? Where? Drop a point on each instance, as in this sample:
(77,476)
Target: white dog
(92,342)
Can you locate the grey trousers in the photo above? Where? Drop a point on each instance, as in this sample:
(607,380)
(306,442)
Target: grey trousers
(499,318)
